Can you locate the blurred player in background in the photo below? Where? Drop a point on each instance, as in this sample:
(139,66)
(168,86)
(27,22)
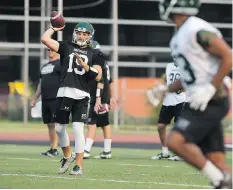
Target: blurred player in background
(172,106)
(79,65)
(204,59)
(47,88)
(101,94)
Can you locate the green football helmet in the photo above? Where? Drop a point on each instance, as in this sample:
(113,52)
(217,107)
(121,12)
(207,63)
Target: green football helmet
(83,27)
(95,45)
(183,7)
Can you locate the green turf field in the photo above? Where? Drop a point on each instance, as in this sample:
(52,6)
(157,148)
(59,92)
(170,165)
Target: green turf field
(22,167)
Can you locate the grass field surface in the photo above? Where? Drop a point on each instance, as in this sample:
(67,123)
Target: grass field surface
(23,167)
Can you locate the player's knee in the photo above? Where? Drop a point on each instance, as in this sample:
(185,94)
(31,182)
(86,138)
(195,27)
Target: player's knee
(63,138)
(91,127)
(78,128)
(59,127)
(51,125)
(161,127)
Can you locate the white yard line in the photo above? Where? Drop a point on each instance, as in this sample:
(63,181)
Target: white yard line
(89,162)
(141,165)
(104,180)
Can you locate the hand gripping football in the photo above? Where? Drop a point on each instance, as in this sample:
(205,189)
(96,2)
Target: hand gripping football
(103,109)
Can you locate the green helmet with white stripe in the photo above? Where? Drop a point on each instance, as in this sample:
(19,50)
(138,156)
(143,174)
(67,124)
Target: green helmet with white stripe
(183,7)
(86,28)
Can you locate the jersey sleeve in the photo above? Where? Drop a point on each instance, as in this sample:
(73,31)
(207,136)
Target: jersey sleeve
(58,66)
(62,47)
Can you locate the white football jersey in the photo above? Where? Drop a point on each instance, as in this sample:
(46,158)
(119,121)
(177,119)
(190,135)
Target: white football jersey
(173,74)
(196,65)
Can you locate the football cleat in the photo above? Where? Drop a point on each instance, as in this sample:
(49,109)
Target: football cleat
(86,155)
(160,156)
(175,158)
(65,164)
(226,183)
(104,155)
(51,153)
(76,170)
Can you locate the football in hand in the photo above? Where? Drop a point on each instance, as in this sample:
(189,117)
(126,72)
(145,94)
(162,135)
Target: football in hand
(57,20)
(104,108)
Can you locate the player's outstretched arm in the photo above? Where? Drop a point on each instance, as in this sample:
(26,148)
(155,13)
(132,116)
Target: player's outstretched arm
(47,40)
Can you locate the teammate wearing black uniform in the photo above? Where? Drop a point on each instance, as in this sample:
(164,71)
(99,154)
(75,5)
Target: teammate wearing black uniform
(78,68)
(47,88)
(99,115)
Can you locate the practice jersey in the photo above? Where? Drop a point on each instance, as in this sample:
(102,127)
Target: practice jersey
(50,79)
(173,74)
(75,81)
(106,81)
(197,66)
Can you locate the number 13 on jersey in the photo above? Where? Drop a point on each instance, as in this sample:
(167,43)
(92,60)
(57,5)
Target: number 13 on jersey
(71,61)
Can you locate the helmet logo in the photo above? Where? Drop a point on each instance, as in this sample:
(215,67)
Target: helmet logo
(82,29)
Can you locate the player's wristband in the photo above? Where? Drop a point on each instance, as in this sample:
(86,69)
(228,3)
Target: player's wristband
(99,92)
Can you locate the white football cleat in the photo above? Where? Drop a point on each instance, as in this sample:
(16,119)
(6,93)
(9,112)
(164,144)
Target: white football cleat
(104,155)
(86,155)
(160,156)
(76,170)
(175,158)
(65,164)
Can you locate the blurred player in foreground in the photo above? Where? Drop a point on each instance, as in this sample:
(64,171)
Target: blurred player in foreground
(204,59)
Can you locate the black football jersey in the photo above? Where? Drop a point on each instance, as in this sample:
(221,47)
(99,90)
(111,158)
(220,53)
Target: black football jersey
(72,74)
(50,79)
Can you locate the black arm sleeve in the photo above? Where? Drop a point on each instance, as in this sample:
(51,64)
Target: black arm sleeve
(62,48)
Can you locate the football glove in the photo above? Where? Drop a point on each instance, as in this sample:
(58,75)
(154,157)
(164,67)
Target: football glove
(156,95)
(201,95)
